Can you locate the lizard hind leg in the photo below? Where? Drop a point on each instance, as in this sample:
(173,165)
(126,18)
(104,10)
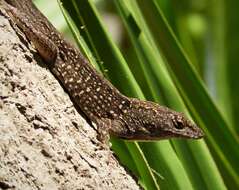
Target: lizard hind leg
(46,48)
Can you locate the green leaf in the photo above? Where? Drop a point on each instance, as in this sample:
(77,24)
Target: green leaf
(150,59)
(218,134)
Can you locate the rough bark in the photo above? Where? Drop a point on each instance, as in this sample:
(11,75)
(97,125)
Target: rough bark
(44,141)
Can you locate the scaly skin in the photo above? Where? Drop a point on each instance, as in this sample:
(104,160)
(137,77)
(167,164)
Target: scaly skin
(101,102)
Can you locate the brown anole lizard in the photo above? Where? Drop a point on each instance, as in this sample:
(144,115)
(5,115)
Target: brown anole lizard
(112,112)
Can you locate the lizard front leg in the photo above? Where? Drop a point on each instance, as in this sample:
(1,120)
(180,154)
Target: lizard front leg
(46,48)
(107,127)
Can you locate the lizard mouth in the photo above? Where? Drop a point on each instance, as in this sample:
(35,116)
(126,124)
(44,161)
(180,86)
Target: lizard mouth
(193,132)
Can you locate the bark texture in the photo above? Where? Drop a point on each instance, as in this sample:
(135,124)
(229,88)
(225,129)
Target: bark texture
(44,141)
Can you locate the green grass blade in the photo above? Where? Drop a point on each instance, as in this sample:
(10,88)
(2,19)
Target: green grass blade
(142,166)
(78,38)
(150,58)
(218,51)
(162,159)
(231,47)
(218,135)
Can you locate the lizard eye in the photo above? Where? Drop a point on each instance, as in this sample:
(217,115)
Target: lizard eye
(179,125)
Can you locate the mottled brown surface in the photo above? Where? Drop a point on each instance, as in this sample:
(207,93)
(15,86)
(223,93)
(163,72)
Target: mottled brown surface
(44,142)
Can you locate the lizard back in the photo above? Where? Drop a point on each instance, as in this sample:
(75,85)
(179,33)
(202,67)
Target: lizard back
(95,96)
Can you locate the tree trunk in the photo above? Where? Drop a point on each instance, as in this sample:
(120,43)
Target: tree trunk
(44,141)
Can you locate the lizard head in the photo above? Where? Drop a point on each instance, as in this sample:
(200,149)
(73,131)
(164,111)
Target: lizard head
(150,121)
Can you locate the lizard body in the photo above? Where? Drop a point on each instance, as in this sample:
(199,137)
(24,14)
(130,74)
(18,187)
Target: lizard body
(101,102)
